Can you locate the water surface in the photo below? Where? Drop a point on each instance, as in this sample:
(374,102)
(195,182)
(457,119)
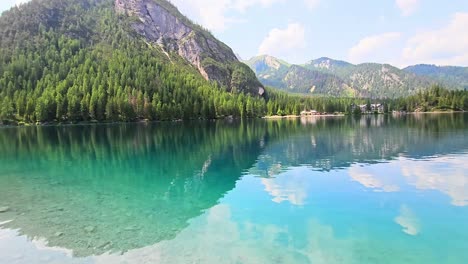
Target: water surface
(324,190)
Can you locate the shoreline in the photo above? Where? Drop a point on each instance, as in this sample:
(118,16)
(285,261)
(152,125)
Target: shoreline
(438,112)
(299,116)
(275,117)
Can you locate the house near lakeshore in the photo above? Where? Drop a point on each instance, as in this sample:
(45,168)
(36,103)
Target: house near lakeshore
(377,108)
(373,108)
(309,113)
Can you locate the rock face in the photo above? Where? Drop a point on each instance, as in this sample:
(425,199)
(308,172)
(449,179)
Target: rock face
(159,22)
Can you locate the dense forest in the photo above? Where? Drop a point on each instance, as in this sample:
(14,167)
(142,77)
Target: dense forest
(72,61)
(435,98)
(76,61)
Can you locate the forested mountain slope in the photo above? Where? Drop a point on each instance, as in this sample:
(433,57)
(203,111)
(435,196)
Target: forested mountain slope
(450,74)
(325,76)
(79,60)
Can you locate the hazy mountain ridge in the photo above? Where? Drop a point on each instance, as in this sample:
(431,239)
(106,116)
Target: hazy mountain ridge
(326,76)
(454,75)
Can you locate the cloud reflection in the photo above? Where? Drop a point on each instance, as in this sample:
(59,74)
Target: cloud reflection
(448,175)
(408,220)
(292,186)
(368,179)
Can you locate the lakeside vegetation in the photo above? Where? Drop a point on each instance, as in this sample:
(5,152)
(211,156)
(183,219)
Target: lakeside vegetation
(78,62)
(136,106)
(434,99)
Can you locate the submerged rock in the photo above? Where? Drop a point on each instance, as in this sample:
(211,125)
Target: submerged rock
(132,228)
(105,245)
(4,209)
(90,229)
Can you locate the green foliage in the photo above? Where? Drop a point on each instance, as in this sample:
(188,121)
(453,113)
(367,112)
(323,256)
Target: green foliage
(329,77)
(434,99)
(79,63)
(357,111)
(455,76)
(243,78)
(282,103)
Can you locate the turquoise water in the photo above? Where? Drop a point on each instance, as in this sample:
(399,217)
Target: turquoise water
(324,190)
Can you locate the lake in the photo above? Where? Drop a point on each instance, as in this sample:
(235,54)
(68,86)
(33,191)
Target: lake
(375,189)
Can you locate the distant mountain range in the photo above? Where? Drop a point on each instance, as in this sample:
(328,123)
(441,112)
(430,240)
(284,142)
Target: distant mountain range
(456,76)
(325,76)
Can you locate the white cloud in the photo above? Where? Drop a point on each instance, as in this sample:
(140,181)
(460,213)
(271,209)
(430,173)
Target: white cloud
(371,47)
(312,4)
(243,5)
(407,7)
(19,2)
(210,13)
(445,46)
(217,14)
(281,42)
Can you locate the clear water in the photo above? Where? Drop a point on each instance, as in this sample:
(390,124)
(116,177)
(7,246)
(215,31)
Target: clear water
(331,190)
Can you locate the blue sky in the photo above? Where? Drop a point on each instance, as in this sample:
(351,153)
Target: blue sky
(400,32)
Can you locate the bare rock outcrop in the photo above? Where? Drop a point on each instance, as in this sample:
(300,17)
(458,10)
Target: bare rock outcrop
(159,22)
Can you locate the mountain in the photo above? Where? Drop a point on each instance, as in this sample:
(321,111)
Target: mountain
(451,74)
(161,24)
(325,76)
(81,60)
(295,78)
(265,64)
(302,80)
(269,69)
(328,65)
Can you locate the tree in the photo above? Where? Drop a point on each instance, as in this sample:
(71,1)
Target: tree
(357,111)
(368,106)
(7,109)
(61,108)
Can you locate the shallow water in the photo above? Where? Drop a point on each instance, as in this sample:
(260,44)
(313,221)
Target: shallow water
(330,190)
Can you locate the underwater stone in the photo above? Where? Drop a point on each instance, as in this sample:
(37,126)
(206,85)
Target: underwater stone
(90,229)
(4,209)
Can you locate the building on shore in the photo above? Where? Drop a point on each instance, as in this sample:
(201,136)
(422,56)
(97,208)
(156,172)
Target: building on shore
(379,108)
(309,113)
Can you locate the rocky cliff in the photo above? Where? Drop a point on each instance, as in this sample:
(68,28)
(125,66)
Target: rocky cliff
(163,25)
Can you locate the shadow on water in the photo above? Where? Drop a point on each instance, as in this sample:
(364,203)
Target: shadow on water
(94,189)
